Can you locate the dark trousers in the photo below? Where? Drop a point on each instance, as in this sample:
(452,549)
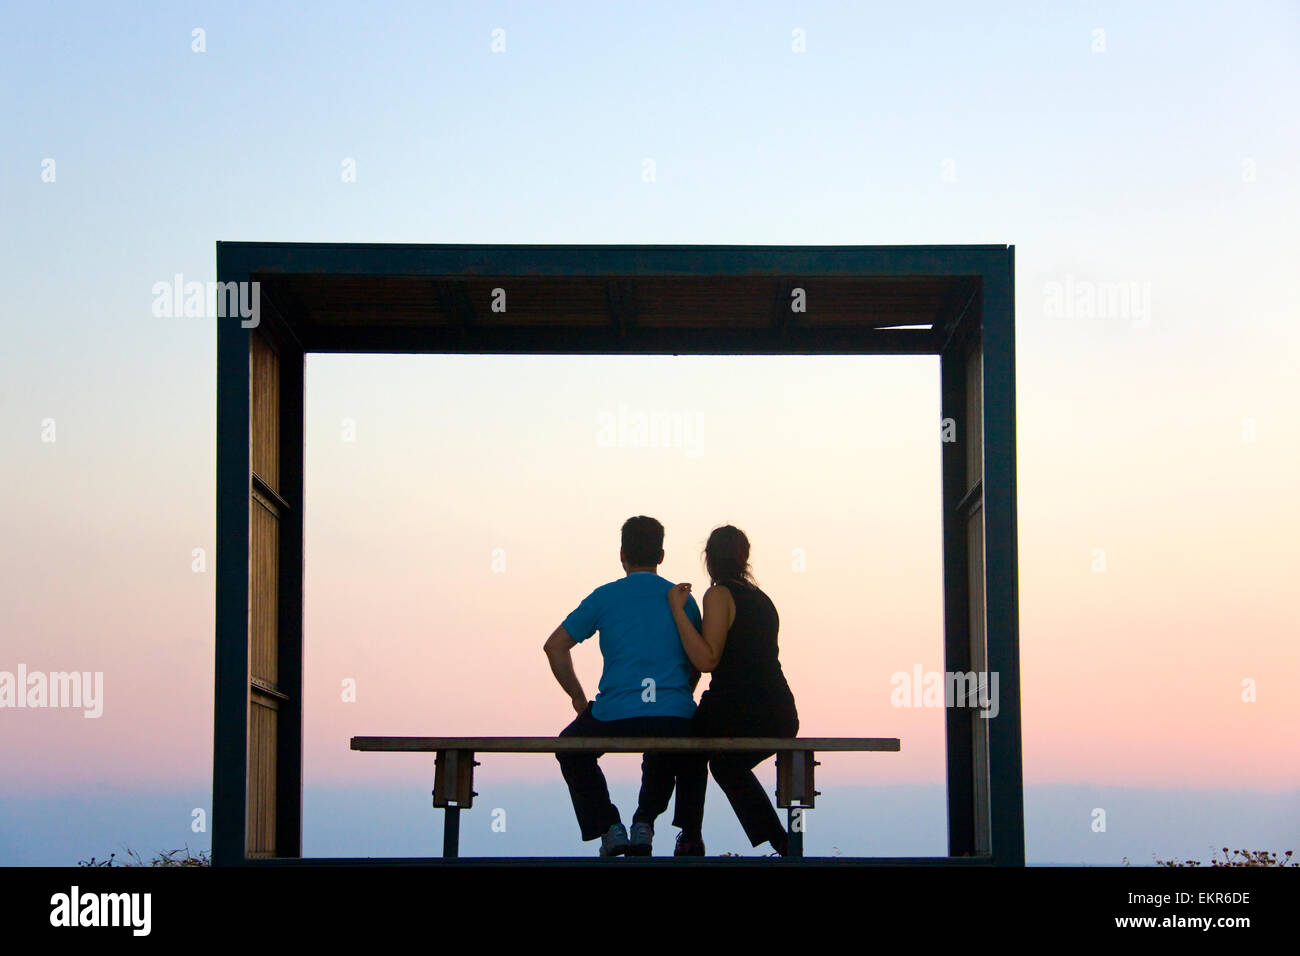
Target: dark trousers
(587,786)
(734,772)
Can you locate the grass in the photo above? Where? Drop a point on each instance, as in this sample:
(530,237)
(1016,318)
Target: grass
(1235,858)
(165,858)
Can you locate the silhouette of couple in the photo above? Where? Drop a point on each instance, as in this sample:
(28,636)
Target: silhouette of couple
(655,644)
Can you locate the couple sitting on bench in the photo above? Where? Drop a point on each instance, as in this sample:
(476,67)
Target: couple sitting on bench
(655,646)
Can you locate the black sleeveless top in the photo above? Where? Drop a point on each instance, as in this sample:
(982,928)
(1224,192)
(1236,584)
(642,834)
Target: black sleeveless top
(749,674)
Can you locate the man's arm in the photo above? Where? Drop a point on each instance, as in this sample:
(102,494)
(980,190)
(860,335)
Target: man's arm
(693,612)
(559,647)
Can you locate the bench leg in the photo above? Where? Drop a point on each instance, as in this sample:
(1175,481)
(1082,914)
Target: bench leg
(794,831)
(450,833)
(453,791)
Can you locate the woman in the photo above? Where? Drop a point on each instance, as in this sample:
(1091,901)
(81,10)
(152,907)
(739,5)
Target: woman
(747,697)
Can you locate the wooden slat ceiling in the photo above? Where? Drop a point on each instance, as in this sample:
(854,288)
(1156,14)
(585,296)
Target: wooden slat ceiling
(649,302)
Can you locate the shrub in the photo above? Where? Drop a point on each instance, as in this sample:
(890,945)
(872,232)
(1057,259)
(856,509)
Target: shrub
(1235,858)
(165,858)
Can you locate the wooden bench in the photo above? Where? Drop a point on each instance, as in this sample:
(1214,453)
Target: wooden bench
(453,778)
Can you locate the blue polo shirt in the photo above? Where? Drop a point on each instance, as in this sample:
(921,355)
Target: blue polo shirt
(639,642)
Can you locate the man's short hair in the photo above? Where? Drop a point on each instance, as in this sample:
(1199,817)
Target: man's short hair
(643,540)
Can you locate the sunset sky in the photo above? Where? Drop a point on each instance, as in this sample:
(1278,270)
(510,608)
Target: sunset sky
(1158,156)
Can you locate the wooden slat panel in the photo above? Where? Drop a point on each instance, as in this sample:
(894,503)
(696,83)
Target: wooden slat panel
(582,302)
(850,303)
(263,594)
(578,303)
(980,765)
(346,300)
(703,303)
(975,566)
(265,402)
(974,437)
(262,742)
(978,664)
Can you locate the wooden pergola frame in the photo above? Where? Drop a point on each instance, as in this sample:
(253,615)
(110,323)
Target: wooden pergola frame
(956,302)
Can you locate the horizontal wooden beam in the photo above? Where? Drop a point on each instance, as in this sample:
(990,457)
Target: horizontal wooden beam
(386,259)
(358,339)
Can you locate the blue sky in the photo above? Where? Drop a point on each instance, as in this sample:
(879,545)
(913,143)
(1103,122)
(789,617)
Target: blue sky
(1166,156)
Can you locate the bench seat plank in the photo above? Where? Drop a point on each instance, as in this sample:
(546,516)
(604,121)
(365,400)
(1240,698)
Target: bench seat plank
(623,744)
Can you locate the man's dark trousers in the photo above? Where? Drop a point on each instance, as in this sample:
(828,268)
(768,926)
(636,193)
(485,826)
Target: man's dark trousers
(596,813)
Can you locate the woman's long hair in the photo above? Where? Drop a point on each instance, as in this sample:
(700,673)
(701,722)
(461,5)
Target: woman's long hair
(726,557)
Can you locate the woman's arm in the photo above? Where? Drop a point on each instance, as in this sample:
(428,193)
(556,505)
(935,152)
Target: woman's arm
(704,650)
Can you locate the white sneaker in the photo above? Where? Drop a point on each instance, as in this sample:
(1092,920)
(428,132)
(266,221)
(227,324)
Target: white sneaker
(614,843)
(643,835)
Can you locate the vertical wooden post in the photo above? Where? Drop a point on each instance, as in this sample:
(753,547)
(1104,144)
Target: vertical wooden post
(1006,779)
(230,708)
(957,421)
(257,787)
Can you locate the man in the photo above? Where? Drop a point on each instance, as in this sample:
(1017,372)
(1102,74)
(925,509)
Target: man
(646,688)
